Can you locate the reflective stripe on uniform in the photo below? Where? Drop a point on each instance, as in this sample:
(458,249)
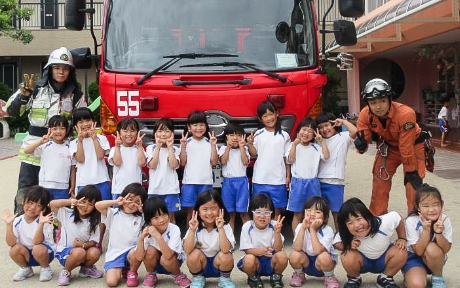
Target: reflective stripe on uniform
(29,158)
(38,113)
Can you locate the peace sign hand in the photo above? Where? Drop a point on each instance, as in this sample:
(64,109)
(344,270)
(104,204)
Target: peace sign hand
(426,224)
(438,227)
(118,140)
(242,141)
(193,223)
(46,138)
(279,224)
(306,219)
(170,141)
(139,142)
(220,219)
(183,140)
(212,138)
(318,136)
(251,138)
(92,131)
(80,133)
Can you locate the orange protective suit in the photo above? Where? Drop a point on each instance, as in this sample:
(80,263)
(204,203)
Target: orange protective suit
(400,132)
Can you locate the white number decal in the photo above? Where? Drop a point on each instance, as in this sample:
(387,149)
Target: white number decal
(128,103)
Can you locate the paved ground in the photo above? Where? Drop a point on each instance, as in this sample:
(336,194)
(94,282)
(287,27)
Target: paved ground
(358,183)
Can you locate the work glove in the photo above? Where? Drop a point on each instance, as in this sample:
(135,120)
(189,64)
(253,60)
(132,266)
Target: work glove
(360,142)
(414,179)
(27,87)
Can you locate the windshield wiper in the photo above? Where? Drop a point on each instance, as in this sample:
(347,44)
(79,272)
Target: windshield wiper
(242,65)
(176,58)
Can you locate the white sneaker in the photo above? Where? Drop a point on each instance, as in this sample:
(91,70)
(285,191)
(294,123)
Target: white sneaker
(46,274)
(23,273)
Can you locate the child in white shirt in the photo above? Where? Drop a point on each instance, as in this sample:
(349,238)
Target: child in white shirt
(127,156)
(34,226)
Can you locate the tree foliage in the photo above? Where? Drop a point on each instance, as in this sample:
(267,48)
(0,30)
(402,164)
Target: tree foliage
(9,13)
(331,97)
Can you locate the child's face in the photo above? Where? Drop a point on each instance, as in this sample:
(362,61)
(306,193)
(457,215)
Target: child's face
(262,217)
(128,136)
(133,205)
(209,213)
(85,125)
(306,135)
(269,120)
(233,140)
(32,209)
(315,214)
(430,208)
(358,226)
(85,207)
(162,134)
(160,222)
(326,129)
(58,133)
(198,130)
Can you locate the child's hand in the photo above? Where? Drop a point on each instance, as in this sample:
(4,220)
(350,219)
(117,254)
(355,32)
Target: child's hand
(78,243)
(316,224)
(268,252)
(438,227)
(145,232)
(401,244)
(337,122)
(426,224)
(154,232)
(193,223)
(118,140)
(220,219)
(318,136)
(76,202)
(139,142)
(296,140)
(355,244)
(279,224)
(212,138)
(123,200)
(183,140)
(306,219)
(170,141)
(159,142)
(242,141)
(251,138)
(46,138)
(46,218)
(8,217)
(229,142)
(80,133)
(92,131)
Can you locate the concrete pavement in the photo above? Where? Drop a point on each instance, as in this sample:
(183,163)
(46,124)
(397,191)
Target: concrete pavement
(358,183)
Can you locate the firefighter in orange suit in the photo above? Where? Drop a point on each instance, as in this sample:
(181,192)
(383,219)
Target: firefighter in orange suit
(399,140)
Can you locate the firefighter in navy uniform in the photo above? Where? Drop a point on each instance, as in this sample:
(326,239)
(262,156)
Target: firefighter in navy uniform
(399,140)
(56,93)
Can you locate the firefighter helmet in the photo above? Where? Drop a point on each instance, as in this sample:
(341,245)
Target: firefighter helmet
(60,56)
(376,88)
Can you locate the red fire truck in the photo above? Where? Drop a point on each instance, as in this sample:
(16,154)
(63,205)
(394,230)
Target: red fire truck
(166,58)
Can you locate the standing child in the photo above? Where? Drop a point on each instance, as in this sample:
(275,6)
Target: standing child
(160,245)
(331,172)
(270,145)
(262,243)
(198,154)
(312,250)
(234,158)
(429,238)
(127,156)
(304,160)
(80,233)
(163,161)
(209,242)
(442,120)
(89,150)
(124,221)
(365,240)
(29,235)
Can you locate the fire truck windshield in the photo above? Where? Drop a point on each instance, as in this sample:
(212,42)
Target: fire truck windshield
(271,34)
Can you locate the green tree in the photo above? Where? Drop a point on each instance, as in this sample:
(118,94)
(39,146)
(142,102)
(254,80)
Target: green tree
(10,11)
(93,93)
(17,124)
(331,97)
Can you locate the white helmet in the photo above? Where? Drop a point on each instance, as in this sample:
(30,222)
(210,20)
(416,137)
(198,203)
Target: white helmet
(60,56)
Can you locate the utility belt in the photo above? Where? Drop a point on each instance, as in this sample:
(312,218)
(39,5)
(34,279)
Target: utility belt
(38,131)
(424,135)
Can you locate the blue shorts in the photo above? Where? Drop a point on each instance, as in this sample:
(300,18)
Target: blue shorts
(210,270)
(104,188)
(301,190)
(373,265)
(190,192)
(235,194)
(62,256)
(162,270)
(311,269)
(276,192)
(59,193)
(265,265)
(119,262)
(333,194)
(441,126)
(413,260)
(33,262)
(172,201)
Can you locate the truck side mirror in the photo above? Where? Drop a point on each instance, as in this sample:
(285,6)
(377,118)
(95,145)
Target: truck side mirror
(345,33)
(351,8)
(75,14)
(344,61)
(82,58)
